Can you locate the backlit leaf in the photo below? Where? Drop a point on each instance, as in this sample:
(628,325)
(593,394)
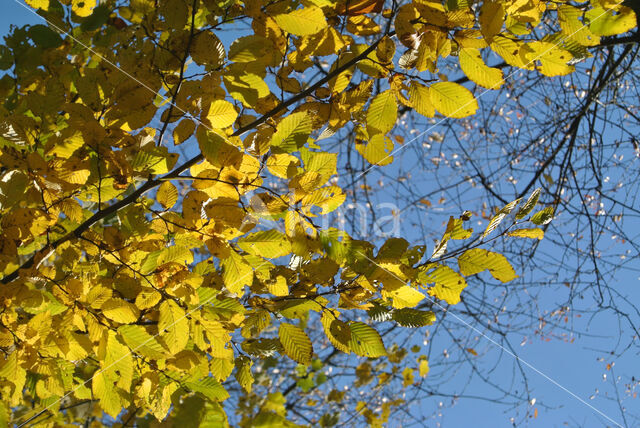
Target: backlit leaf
(173,326)
(296,343)
(477,260)
(302,22)
(453,100)
(366,341)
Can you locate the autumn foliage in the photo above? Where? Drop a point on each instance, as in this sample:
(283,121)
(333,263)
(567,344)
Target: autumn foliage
(143,150)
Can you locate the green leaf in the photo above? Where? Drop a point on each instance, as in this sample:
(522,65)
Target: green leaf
(302,22)
(292,132)
(477,260)
(296,343)
(366,341)
(409,317)
(173,326)
(382,113)
(453,100)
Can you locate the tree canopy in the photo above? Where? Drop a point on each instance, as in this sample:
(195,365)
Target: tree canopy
(169,166)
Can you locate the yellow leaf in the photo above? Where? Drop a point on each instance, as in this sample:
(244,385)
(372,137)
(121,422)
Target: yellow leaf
(509,50)
(221,114)
(553,59)
(296,343)
(243,372)
(382,113)
(491,19)
(477,260)
(38,4)
(103,390)
(338,332)
(173,326)
(423,368)
(453,100)
(448,283)
(268,243)
(183,131)
(141,342)
(208,50)
(121,311)
(474,67)
(569,18)
(236,273)
(366,341)
(292,132)
(167,195)
(420,99)
(278,287)
(610,23)
(404,297)
(283,165)
(377,151)
(533,233)
(83,8)
(302,22)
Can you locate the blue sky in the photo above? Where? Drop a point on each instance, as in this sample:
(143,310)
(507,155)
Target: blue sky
(580,367)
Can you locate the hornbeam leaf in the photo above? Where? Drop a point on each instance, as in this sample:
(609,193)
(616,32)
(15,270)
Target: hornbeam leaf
(296,343)
(210,388)
(236,272)
(409,317)
(141,342)
(269,244)
(491,19)
(167,195)
(533,233)
(382,113)
(366,341)
(173,326)
(529,205)
(448,283)
(292,132)
(497,219)
(603,22)
(543,216)
(338,332)
(243,372)
(302,22)
(38,4)
(473,65)
(121,311)
(377,151)
(477,260)
(453,100)
(221,114)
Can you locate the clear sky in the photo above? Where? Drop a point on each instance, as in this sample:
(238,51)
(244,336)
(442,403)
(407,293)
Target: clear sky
(580,367)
